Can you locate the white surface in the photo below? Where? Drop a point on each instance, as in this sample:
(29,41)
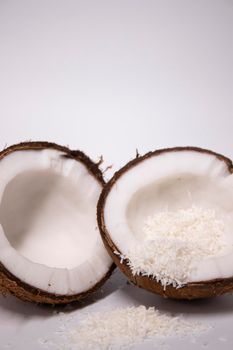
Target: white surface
(109,77)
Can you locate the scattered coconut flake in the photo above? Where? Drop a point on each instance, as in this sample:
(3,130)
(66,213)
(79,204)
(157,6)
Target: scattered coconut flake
(174,242)
(123,328)
(222,339)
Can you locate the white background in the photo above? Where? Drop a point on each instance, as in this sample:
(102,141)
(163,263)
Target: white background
(108,77)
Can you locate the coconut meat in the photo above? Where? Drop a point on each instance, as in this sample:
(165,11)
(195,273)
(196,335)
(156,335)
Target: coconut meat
(173,181)
(48,234)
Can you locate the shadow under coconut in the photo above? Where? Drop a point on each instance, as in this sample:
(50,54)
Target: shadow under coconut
(114,283)
(9,305)
(216,305)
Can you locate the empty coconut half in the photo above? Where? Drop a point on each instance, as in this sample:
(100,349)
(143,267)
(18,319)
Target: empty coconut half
(166,219)
(50,247)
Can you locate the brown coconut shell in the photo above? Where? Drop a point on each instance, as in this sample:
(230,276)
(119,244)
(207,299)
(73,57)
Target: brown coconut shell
(10,283)
(202,289)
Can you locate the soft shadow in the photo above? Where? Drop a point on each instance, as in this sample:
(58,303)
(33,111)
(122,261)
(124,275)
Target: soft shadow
(115,282)
(10,305)
(216,305)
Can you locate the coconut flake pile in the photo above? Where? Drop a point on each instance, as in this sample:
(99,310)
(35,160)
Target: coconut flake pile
(124,327)
(174,242)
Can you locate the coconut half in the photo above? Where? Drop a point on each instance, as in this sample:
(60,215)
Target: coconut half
(172,180)
(50,247)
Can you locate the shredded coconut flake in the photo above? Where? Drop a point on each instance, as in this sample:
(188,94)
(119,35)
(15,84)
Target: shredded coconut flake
(124,327)
(174,242)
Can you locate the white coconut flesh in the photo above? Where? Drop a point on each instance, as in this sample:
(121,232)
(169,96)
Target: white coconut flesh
(170,183)
(48,234)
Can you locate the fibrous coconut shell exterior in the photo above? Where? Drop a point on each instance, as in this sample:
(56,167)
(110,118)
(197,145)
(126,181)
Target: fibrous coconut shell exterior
(202,289)
(10,283)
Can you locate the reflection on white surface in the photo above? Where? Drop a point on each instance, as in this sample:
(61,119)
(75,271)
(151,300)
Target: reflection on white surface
(27,326)
(109,77)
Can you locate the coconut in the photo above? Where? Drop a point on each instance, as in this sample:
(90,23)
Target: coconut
(154,188)
(50,247)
